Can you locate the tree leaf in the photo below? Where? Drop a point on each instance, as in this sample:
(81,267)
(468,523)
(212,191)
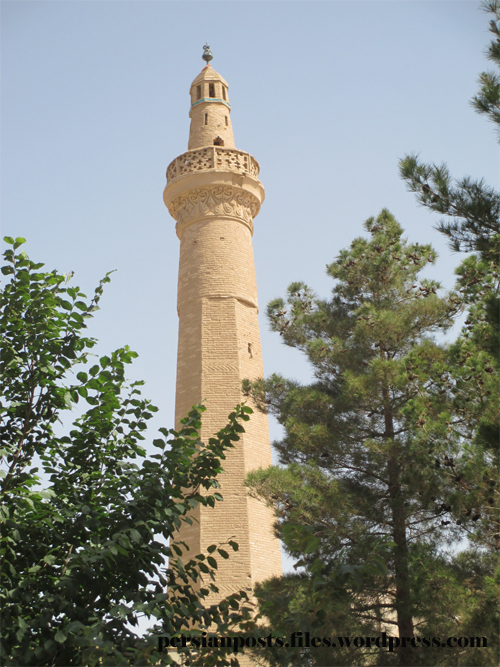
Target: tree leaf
(60,637)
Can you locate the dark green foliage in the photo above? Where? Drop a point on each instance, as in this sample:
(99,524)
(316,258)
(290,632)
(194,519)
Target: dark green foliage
(392,451)
(487,101)
(86,516)
(369,447)
(472,224)
(472,208)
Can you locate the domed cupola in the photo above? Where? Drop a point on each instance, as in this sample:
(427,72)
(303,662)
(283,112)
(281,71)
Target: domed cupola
(210,109)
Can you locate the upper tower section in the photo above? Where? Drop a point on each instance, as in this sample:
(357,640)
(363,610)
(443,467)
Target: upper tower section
(210,109)
(212,179)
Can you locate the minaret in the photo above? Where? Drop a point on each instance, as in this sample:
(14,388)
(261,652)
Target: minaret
(214,193)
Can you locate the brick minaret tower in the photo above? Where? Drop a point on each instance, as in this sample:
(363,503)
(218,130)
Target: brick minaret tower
(214,193)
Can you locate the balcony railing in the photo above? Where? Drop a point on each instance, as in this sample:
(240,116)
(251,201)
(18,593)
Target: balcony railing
(213,158)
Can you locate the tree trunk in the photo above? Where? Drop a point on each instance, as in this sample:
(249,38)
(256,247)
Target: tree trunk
(400,553)
(401,570)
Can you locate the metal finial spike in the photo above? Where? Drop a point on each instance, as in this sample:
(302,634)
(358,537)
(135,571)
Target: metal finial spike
(207,54)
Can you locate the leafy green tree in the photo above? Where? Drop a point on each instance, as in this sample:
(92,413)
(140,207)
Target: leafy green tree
(363,447)
(471,211)
(86,516)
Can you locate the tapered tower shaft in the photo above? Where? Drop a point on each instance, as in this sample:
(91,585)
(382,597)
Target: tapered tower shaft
(214,194)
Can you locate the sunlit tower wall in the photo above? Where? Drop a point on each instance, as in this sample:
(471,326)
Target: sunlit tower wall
(214,193)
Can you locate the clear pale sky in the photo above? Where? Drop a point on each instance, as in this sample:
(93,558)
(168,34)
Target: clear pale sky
(326,95)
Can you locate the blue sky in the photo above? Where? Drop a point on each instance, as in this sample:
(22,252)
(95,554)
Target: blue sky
(326,95)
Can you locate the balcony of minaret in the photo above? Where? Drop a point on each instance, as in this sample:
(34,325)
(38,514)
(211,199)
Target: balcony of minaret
(213,158)
(213,181)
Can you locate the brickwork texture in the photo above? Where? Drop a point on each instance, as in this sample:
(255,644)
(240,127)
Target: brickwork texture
(219,341)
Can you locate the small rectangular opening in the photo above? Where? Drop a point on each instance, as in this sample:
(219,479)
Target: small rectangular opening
(211,89)
(198,92)
(226,120)
(224,93)
(206,119)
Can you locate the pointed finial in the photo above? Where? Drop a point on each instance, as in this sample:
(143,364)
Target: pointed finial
(207,54)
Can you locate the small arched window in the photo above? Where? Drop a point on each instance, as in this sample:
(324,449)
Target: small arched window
(211,89)
(206,119)
(227,123)
(218,142)
(224,93)
(198,92)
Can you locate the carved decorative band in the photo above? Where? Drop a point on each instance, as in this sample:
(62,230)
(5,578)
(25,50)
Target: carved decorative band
(211,158)
(214,201)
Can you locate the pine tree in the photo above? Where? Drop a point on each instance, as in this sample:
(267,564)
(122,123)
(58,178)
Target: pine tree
(487,101)
(364,442)
(393,450)
(471,211)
